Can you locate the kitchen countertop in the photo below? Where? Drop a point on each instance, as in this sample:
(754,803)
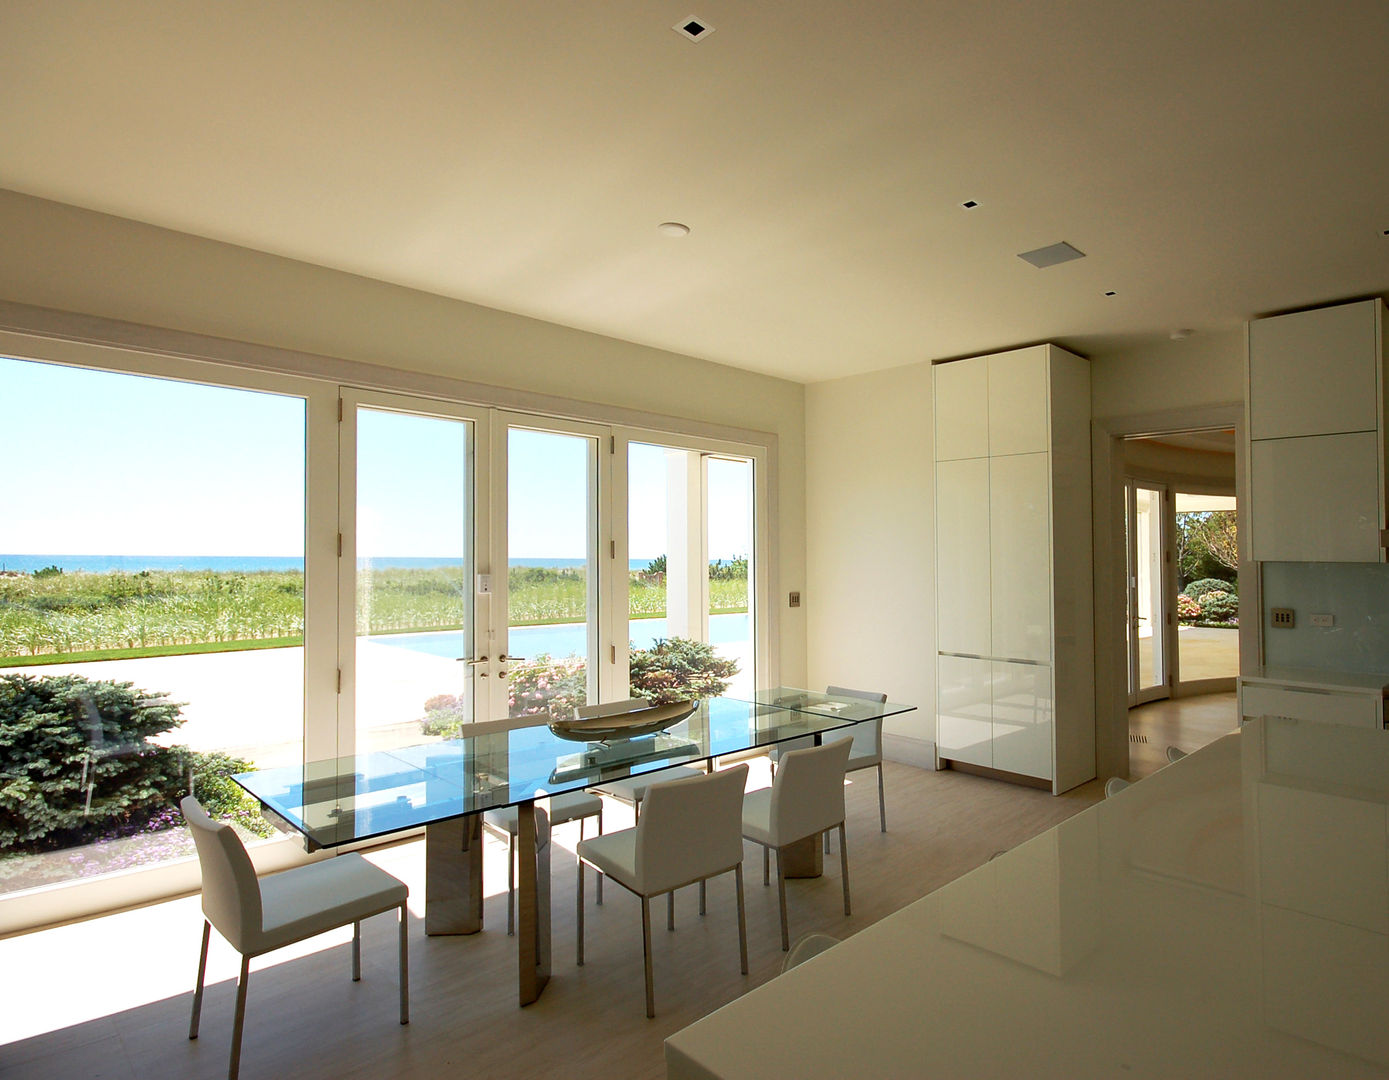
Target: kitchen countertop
(1343,682)
(1228,916)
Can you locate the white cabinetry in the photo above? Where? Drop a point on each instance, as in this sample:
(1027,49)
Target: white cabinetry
(1015,674)
(1326,697)
(1316,427)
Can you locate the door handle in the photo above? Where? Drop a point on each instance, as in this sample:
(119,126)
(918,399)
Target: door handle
(473,663)
(504,656)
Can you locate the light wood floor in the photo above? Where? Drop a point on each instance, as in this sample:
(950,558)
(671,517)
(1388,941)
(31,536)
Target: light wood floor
(110,997)
(1188,723)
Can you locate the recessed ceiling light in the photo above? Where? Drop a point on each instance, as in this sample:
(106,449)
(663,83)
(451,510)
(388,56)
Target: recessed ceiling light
(673,228)
(969,204)
(693,28)
(1180,335)
(1051,255)
(1110,292)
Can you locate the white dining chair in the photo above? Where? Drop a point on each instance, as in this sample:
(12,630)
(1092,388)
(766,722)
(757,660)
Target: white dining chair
(502,823)
(632,790)
(1175,753)
(689,833)
(807,945)
(1114,785)
(806,799)
(867,752)
(258,915)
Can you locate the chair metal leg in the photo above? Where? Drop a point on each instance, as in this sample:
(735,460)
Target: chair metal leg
(357,951)
(844,866)
(511,885)
(766,866)
(600,873)
(239,1022)
(702,896)
(781,898)
(882,802)
(742,920)
(198,989)
(670,910)
(404,964)
(646,954)
(579,916)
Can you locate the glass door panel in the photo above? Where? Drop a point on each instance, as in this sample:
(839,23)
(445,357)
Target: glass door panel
(729,530)
(549,660)
(1147,598)
(689,537)
(414,560)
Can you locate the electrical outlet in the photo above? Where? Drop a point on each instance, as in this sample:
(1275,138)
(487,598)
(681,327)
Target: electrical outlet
(1324,619)
(1282,617)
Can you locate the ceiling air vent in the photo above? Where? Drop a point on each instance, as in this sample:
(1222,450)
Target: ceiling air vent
(693,28)
(1043,257)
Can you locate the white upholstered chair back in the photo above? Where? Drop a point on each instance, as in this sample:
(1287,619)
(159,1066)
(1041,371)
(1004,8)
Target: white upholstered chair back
(690,829)
(231,893)
(868,736)
(808,792)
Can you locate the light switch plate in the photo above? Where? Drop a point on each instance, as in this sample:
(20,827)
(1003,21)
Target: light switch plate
(1281,617)
(794,600)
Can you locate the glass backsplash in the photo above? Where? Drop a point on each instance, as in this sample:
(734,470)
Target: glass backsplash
(1357,594)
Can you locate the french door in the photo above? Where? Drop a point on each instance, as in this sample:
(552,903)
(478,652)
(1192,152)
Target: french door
(415,528)
(1149,613)
(498,564)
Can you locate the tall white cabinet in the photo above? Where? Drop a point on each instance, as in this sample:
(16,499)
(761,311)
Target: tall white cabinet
(1317,450)
(1014,631)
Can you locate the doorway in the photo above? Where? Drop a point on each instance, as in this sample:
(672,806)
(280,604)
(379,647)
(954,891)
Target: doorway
(1182,564)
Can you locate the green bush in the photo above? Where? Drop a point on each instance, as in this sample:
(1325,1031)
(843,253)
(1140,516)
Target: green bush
(1219,606)
(1198,589)
(675,669)
(78,757)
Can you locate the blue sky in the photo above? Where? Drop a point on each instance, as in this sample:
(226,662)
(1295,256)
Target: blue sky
(130,465)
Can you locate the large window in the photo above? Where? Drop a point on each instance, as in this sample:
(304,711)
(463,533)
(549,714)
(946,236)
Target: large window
(151,612)
(199,578)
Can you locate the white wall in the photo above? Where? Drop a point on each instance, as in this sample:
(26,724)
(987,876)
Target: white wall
(72,260)
(870,541)
(1205,369)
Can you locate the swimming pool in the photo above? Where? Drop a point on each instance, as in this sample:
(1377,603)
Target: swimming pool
(564,639)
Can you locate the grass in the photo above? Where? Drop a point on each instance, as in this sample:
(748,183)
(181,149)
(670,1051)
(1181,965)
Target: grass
(81,616)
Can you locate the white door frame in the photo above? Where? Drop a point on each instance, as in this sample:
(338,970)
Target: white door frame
(1111,604)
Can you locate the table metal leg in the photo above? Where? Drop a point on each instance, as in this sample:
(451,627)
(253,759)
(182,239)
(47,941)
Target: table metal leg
(453,876)
(533,900)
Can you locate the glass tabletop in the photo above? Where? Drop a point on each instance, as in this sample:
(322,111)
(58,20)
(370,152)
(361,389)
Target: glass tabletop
(341,800)
(851,709)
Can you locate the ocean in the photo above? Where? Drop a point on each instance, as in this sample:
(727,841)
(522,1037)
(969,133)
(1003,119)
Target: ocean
(242,564)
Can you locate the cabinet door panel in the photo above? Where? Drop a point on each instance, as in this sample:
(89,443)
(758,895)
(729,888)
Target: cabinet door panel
(1359,710)
(1020,556)
(1023,712)
(962,556)
(964,722)
(1315,499)
(962,409)
(1313,372)
(1018,402)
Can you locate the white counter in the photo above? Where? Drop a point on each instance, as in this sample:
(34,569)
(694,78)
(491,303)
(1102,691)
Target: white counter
(1226,917)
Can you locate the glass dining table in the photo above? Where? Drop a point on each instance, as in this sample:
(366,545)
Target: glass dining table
(444,787)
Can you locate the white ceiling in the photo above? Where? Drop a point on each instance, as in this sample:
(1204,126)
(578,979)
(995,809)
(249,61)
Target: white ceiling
(1213,160)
